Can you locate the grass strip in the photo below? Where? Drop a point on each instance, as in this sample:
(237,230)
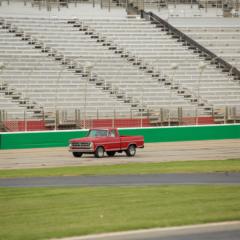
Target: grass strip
(130,168)
(41,213)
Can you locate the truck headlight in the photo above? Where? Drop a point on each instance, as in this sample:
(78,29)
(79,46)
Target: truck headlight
(70,145)
(91,145)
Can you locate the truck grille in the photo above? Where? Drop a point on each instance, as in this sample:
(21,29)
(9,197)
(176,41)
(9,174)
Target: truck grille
(81,145)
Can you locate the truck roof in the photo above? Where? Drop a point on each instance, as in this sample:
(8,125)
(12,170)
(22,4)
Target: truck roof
(111,128)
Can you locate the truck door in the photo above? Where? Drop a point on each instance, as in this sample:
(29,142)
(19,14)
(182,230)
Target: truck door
(113,142)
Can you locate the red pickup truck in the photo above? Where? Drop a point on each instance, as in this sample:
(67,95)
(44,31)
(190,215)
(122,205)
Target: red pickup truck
(99,141)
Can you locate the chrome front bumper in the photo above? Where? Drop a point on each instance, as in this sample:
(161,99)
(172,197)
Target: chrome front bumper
(81,150)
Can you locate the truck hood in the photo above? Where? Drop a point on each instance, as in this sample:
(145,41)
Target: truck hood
(85,139)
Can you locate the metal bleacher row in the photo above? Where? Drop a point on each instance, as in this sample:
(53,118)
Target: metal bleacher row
(160,51)
(130,56)
(223,41)
(43,80)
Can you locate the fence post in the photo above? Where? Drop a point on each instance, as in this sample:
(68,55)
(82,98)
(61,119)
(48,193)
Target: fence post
(113,119)
(234,114)
(1,115)
(213,114)
(25,120)
(56,119)
(97,114)
(161,117)
(196,115)
(225,114)
(1,119)
(78,118)
(43,115)
(180,115)
(148,115)
(169,116)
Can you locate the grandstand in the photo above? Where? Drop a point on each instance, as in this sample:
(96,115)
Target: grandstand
(74,64)
(221,37)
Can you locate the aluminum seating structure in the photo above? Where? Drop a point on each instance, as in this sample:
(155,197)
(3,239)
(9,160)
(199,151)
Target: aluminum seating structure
(180,10)
(11,107)
(125,54)
(223,41)
(111,69)
(160,50)
(47,83)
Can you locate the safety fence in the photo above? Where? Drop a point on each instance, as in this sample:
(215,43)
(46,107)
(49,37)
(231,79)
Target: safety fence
(61,119)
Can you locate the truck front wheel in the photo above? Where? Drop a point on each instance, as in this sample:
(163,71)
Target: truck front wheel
(77,154)
(131,151)
(99,153)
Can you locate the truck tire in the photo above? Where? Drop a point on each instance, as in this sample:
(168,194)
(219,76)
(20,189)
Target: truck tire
(111,154)
(99,153)
(131,151)
(77,154)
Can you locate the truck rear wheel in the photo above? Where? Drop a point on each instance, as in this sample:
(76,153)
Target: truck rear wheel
(77,154)
(131,151)
(111,154)
(99,153)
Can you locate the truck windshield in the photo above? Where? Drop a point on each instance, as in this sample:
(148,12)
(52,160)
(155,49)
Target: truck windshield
(97,133)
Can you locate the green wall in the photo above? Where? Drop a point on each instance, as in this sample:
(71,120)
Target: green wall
(174,134)
(161,134)
(38,139)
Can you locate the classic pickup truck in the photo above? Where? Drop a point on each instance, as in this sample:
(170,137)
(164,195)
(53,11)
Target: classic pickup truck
(99,141)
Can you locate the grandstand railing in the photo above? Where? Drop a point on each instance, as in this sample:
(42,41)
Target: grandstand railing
(204,52)
(78,119)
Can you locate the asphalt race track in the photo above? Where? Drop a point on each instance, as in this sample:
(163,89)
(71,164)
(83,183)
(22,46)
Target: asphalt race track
(153,152)
(212,231)
(124,180)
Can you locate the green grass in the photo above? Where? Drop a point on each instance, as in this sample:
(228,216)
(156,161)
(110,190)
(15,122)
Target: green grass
(131,168)
(41,213)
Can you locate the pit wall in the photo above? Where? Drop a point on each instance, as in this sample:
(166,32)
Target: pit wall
(21,140)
